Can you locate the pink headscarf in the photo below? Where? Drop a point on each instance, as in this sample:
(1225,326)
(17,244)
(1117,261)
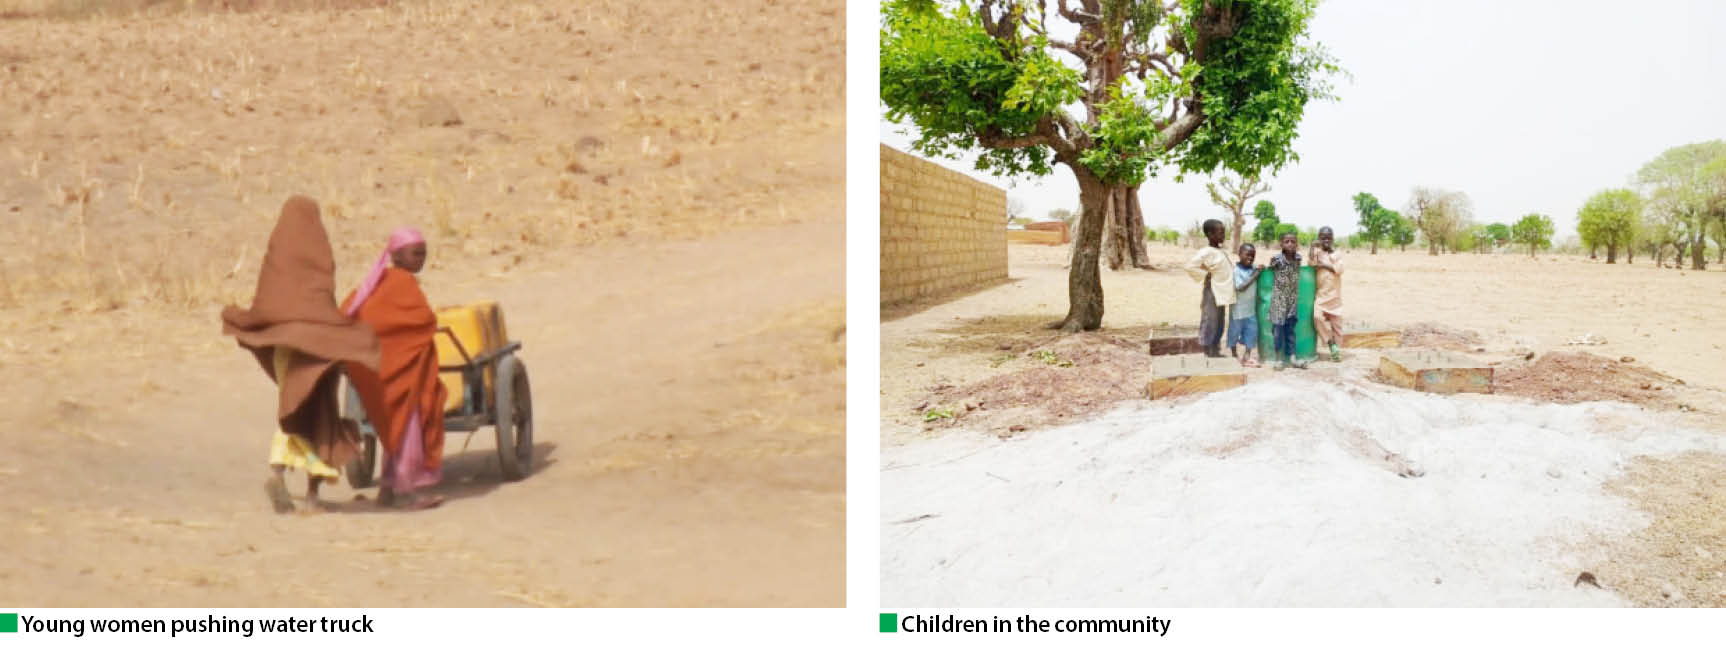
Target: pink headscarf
(400,237)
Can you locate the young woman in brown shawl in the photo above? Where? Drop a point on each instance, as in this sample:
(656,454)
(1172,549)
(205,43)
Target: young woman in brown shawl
(403,396)
(299,337)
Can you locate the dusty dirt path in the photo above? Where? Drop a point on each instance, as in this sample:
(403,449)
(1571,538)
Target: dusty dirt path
(690,409)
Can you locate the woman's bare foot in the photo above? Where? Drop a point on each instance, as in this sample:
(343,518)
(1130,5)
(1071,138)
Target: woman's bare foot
(408,502)
(313,504)
(423,502)
(277,490)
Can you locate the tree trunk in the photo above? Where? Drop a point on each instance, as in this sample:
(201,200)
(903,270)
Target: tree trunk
(1124,241)
(1629,255)
(1611,254)
(1698,255)
(1594,252)
(1136,229)
(1084,278)
(1240,223)
(1374,247)
(1115,231)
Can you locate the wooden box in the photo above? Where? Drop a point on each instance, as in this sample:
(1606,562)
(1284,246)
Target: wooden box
(1371,338)
(1436,371)
(1184,375)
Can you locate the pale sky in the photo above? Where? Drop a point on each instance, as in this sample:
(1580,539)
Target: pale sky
(1525,106)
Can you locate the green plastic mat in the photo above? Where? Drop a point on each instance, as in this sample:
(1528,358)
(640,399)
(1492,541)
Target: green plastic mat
(1306,342)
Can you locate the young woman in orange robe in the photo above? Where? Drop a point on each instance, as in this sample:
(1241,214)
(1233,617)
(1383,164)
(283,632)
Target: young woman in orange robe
(403,397)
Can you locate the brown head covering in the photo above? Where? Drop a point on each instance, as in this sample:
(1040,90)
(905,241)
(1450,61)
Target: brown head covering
(295,307)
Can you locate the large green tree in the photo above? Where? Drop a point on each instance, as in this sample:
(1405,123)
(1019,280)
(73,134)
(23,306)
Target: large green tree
(1376,221)
(1265,231)
(1194,85)
(1403,234)
(1611,218)
(1535,230)
(1499,232)
(1687,192)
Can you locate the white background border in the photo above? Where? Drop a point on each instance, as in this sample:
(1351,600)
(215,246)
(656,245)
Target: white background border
(863,306)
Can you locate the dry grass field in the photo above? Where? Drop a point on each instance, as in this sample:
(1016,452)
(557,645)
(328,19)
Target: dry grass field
(614,173)
(509,126)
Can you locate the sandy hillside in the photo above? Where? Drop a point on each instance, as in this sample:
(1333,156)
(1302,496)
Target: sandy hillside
(613,173)
(1616,445)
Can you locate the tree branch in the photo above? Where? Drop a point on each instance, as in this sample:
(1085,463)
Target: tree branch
(1075,47)
(1073,139)
(1078,49)
(1160,58)
(1075,17)
(1045,134)
(1179,130)
(996,140)
(1000,27)
(1211,24)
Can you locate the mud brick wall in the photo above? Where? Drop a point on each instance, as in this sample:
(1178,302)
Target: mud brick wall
(941,230)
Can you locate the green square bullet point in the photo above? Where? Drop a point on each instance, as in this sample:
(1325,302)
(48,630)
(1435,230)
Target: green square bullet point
(8,622)
(889,622)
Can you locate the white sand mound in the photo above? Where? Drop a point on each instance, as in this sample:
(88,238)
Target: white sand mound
(1281,493)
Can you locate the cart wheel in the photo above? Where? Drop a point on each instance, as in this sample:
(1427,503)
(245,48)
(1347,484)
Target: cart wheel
(514,419)
(360,469)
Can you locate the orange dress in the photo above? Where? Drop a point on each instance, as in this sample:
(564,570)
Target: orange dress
(405,384)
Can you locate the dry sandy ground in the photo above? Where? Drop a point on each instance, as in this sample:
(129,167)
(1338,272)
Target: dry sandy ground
(983,345)
(1316,488)
(1512,302)
(496,126)
(689,402)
